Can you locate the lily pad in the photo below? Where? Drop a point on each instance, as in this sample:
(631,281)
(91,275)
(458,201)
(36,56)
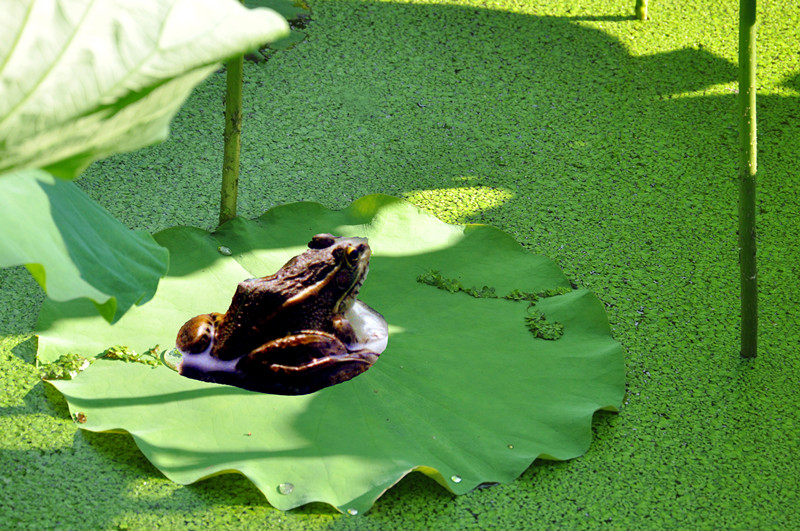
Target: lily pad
(464,392)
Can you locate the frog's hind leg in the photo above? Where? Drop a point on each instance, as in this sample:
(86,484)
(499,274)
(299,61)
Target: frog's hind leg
(301,364)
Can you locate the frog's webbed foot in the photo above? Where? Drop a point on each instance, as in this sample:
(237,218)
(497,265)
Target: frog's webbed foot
(302,363)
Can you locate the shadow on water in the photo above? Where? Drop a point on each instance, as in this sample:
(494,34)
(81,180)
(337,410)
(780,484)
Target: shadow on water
(439,97)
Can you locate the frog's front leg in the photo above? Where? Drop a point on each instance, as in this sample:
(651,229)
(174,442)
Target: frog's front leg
(302,363)
(344,330)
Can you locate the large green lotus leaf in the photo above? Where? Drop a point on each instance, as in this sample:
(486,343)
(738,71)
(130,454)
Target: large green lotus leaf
(464,392)
(81,80)
(60,233)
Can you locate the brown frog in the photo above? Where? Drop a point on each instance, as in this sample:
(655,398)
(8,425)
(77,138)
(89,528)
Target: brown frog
(291,332)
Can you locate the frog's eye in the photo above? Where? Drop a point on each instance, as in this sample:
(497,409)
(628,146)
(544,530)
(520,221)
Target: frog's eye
(352,254)
(321,241)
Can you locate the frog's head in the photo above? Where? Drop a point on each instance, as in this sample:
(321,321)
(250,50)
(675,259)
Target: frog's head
(350,260)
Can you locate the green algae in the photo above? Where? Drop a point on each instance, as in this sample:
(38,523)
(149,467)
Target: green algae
(535,320)
(69,365)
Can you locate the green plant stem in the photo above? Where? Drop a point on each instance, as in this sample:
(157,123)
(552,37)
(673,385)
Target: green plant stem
(233,140)
(747,177)
(641,9)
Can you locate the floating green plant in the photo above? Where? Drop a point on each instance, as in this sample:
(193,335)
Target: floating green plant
(536,322)
(70,365)
(65,367)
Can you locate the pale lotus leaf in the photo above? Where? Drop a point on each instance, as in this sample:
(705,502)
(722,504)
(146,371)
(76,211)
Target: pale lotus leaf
(464,392)
(81,80)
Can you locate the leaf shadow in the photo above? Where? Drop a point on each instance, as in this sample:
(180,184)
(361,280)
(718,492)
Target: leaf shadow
(172,398)
(26,351)
(464,88)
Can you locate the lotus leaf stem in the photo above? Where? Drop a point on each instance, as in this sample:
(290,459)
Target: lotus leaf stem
(641,10)
(747,177)
(233,140)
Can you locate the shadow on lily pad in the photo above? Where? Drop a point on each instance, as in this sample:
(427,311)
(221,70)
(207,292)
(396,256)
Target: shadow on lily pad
(464,392)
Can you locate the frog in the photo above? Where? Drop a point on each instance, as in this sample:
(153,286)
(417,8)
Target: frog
(294,332)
